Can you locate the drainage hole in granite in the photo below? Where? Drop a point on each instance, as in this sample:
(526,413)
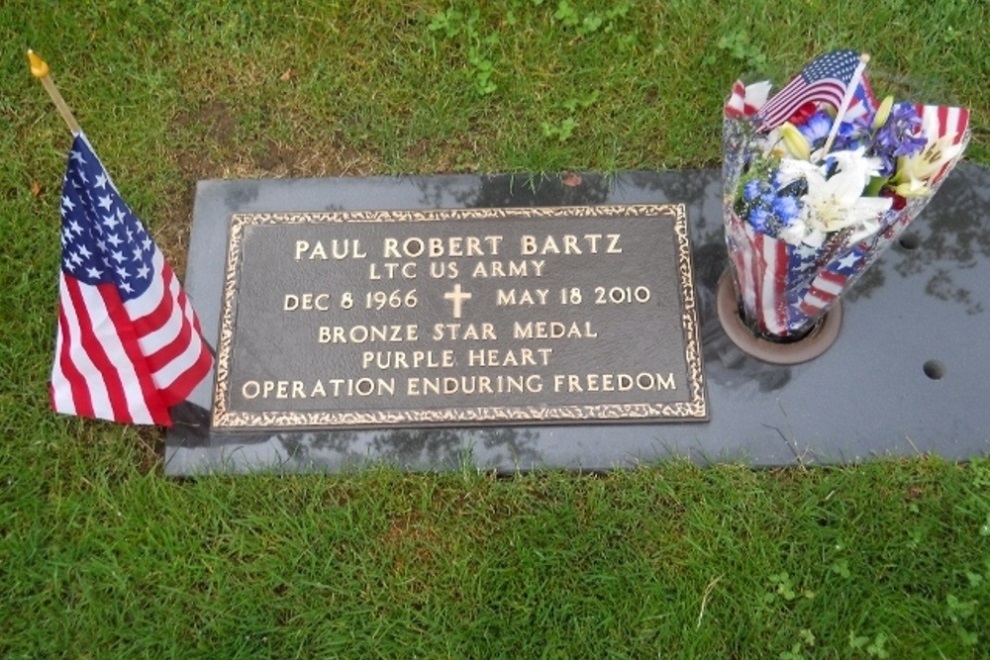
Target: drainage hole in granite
(910,241)
(934,369)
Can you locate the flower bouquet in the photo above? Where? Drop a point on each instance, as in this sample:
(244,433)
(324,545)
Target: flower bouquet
(818,180)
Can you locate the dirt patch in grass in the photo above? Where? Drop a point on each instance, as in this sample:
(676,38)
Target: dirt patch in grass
(223,151)
(151,442)
(172,233)
(411,538)
(214,120)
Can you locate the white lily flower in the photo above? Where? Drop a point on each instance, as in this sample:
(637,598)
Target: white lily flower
(870,226)
(797,233)
(792,169)
(913,172)
(857,167)
(836,203)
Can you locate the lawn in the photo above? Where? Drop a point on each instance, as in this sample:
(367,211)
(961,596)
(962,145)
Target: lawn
(101,556)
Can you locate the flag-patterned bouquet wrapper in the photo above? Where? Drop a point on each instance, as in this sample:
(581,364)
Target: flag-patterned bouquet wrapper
(819,179)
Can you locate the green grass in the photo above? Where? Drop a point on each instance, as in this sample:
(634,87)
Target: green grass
(101,556)
(674,560)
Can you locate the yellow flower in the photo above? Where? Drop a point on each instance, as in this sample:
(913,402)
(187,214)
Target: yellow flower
(883,112)
(796,143)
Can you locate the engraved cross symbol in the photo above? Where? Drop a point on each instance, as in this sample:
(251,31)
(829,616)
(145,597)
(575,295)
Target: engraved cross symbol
(457,297)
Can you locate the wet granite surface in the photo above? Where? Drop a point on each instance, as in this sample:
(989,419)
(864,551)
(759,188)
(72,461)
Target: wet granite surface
(907,375)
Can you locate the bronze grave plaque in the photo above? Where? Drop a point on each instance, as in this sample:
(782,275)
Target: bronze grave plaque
(461,317)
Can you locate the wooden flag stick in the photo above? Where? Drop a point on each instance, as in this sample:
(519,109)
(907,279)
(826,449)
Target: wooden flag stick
(864,59)
(39,69)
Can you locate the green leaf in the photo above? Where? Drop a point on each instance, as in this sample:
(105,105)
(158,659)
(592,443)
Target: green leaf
(857,641)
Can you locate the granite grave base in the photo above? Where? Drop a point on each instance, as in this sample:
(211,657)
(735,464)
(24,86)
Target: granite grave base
(906,376)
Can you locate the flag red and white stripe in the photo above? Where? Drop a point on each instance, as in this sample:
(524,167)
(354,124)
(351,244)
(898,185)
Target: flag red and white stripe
(746,100)
(947,121)
(825,288)
(762,266)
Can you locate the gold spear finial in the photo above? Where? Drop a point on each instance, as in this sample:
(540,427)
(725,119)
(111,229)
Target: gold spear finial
(40,70)
(39,67)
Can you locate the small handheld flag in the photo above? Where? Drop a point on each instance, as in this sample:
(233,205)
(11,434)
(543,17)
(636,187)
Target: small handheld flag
(128,344)
(824,80)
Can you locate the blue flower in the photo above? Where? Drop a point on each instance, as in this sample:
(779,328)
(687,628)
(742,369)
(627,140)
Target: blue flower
(758,217)
(751,190)
(900,135)
(816,129)
(853,133)
(786,208)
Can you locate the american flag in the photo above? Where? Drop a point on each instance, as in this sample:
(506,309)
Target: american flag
(824,80)
(128,344)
